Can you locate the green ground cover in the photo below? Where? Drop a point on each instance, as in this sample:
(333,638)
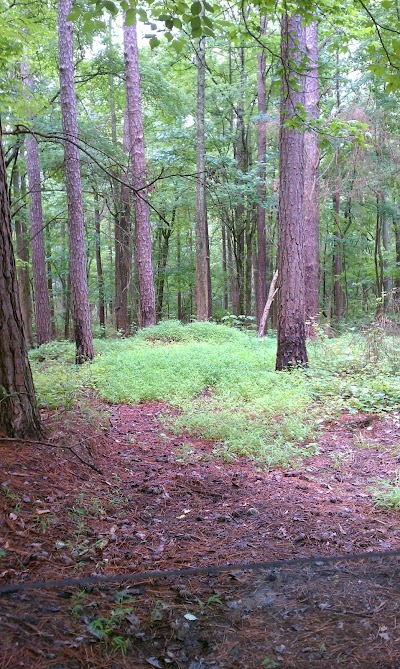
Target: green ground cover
(224,383)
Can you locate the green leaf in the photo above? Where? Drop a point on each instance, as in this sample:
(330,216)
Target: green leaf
(111,7)
(154,42)
(142,15)
(130,17)
(74,14)
(177,23)
(208,7)
(196,8)
(177,45)
(195,22)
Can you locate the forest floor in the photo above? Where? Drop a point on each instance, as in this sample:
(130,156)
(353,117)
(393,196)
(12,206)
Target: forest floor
(164,501)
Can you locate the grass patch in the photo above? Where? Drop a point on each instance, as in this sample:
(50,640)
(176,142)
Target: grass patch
(386,494)
(224,382)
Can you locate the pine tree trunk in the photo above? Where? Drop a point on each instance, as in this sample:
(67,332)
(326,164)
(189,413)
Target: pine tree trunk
(203,278)
(77,246)
(387,281)
(19,415)
(311,182)
(138,160)
(99,265)
(123,252)
(260,274)
(224,268)
(291,310)
(22,239)
(338,259)
(178,268)
(39,271)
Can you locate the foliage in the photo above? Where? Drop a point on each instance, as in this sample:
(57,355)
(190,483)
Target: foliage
(387,493)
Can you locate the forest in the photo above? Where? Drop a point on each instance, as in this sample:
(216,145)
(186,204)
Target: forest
(199,334)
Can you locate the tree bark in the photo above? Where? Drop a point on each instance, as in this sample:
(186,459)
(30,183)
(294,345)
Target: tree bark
(260,274)
(138,161)
(19,414)
(338,258)
(203,277)
(165,235)
(22,239)
(291,308)
(39,271)
(99,265)
(123,251)
(311,182)
(79,286)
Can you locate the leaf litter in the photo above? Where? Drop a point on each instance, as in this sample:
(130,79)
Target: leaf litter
(156,508)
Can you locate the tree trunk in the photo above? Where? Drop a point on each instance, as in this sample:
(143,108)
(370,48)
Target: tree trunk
(338,259)
(123,251)
(138,163)
(22,239)
(311,182)
(162,262)
(260,275)
(291,309)
(179,269)
(224,268)
(79,286)
(19,415)
(39,271)
(387,282)
(203,278)
(99,265)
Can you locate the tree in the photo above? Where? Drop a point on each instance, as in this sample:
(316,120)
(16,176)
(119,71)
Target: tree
(311,181)
(39,271)
(137,153)
(291,304)
(203,278)
(79,286)
(261,265)
(19,415)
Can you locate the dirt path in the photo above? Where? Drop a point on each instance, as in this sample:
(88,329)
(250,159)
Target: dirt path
(164,501)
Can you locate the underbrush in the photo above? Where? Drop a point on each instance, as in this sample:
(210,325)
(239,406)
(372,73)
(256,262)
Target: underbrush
(356,372)
(224,383)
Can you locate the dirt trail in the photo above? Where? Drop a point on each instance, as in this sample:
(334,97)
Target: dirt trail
(165,501)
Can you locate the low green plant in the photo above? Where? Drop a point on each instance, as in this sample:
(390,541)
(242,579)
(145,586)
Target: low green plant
(386,494)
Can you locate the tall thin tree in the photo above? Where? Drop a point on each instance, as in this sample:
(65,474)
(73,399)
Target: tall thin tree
(291,305)
(203,276)
(137,153)
(311,181)
(77,248)
(39,270)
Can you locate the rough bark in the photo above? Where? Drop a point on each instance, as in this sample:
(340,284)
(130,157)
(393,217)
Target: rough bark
(123,252)
(260,274)
(165,235)
(291,308)
(311,182)
(99,265)
(387,281)
(39,271)
(77,248)
(203,278)
(178,266)
(224,268)
(338,258)
(19,415)
(22,239)
(138,161)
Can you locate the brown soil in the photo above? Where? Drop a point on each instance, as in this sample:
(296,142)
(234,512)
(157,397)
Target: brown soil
(165,501)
